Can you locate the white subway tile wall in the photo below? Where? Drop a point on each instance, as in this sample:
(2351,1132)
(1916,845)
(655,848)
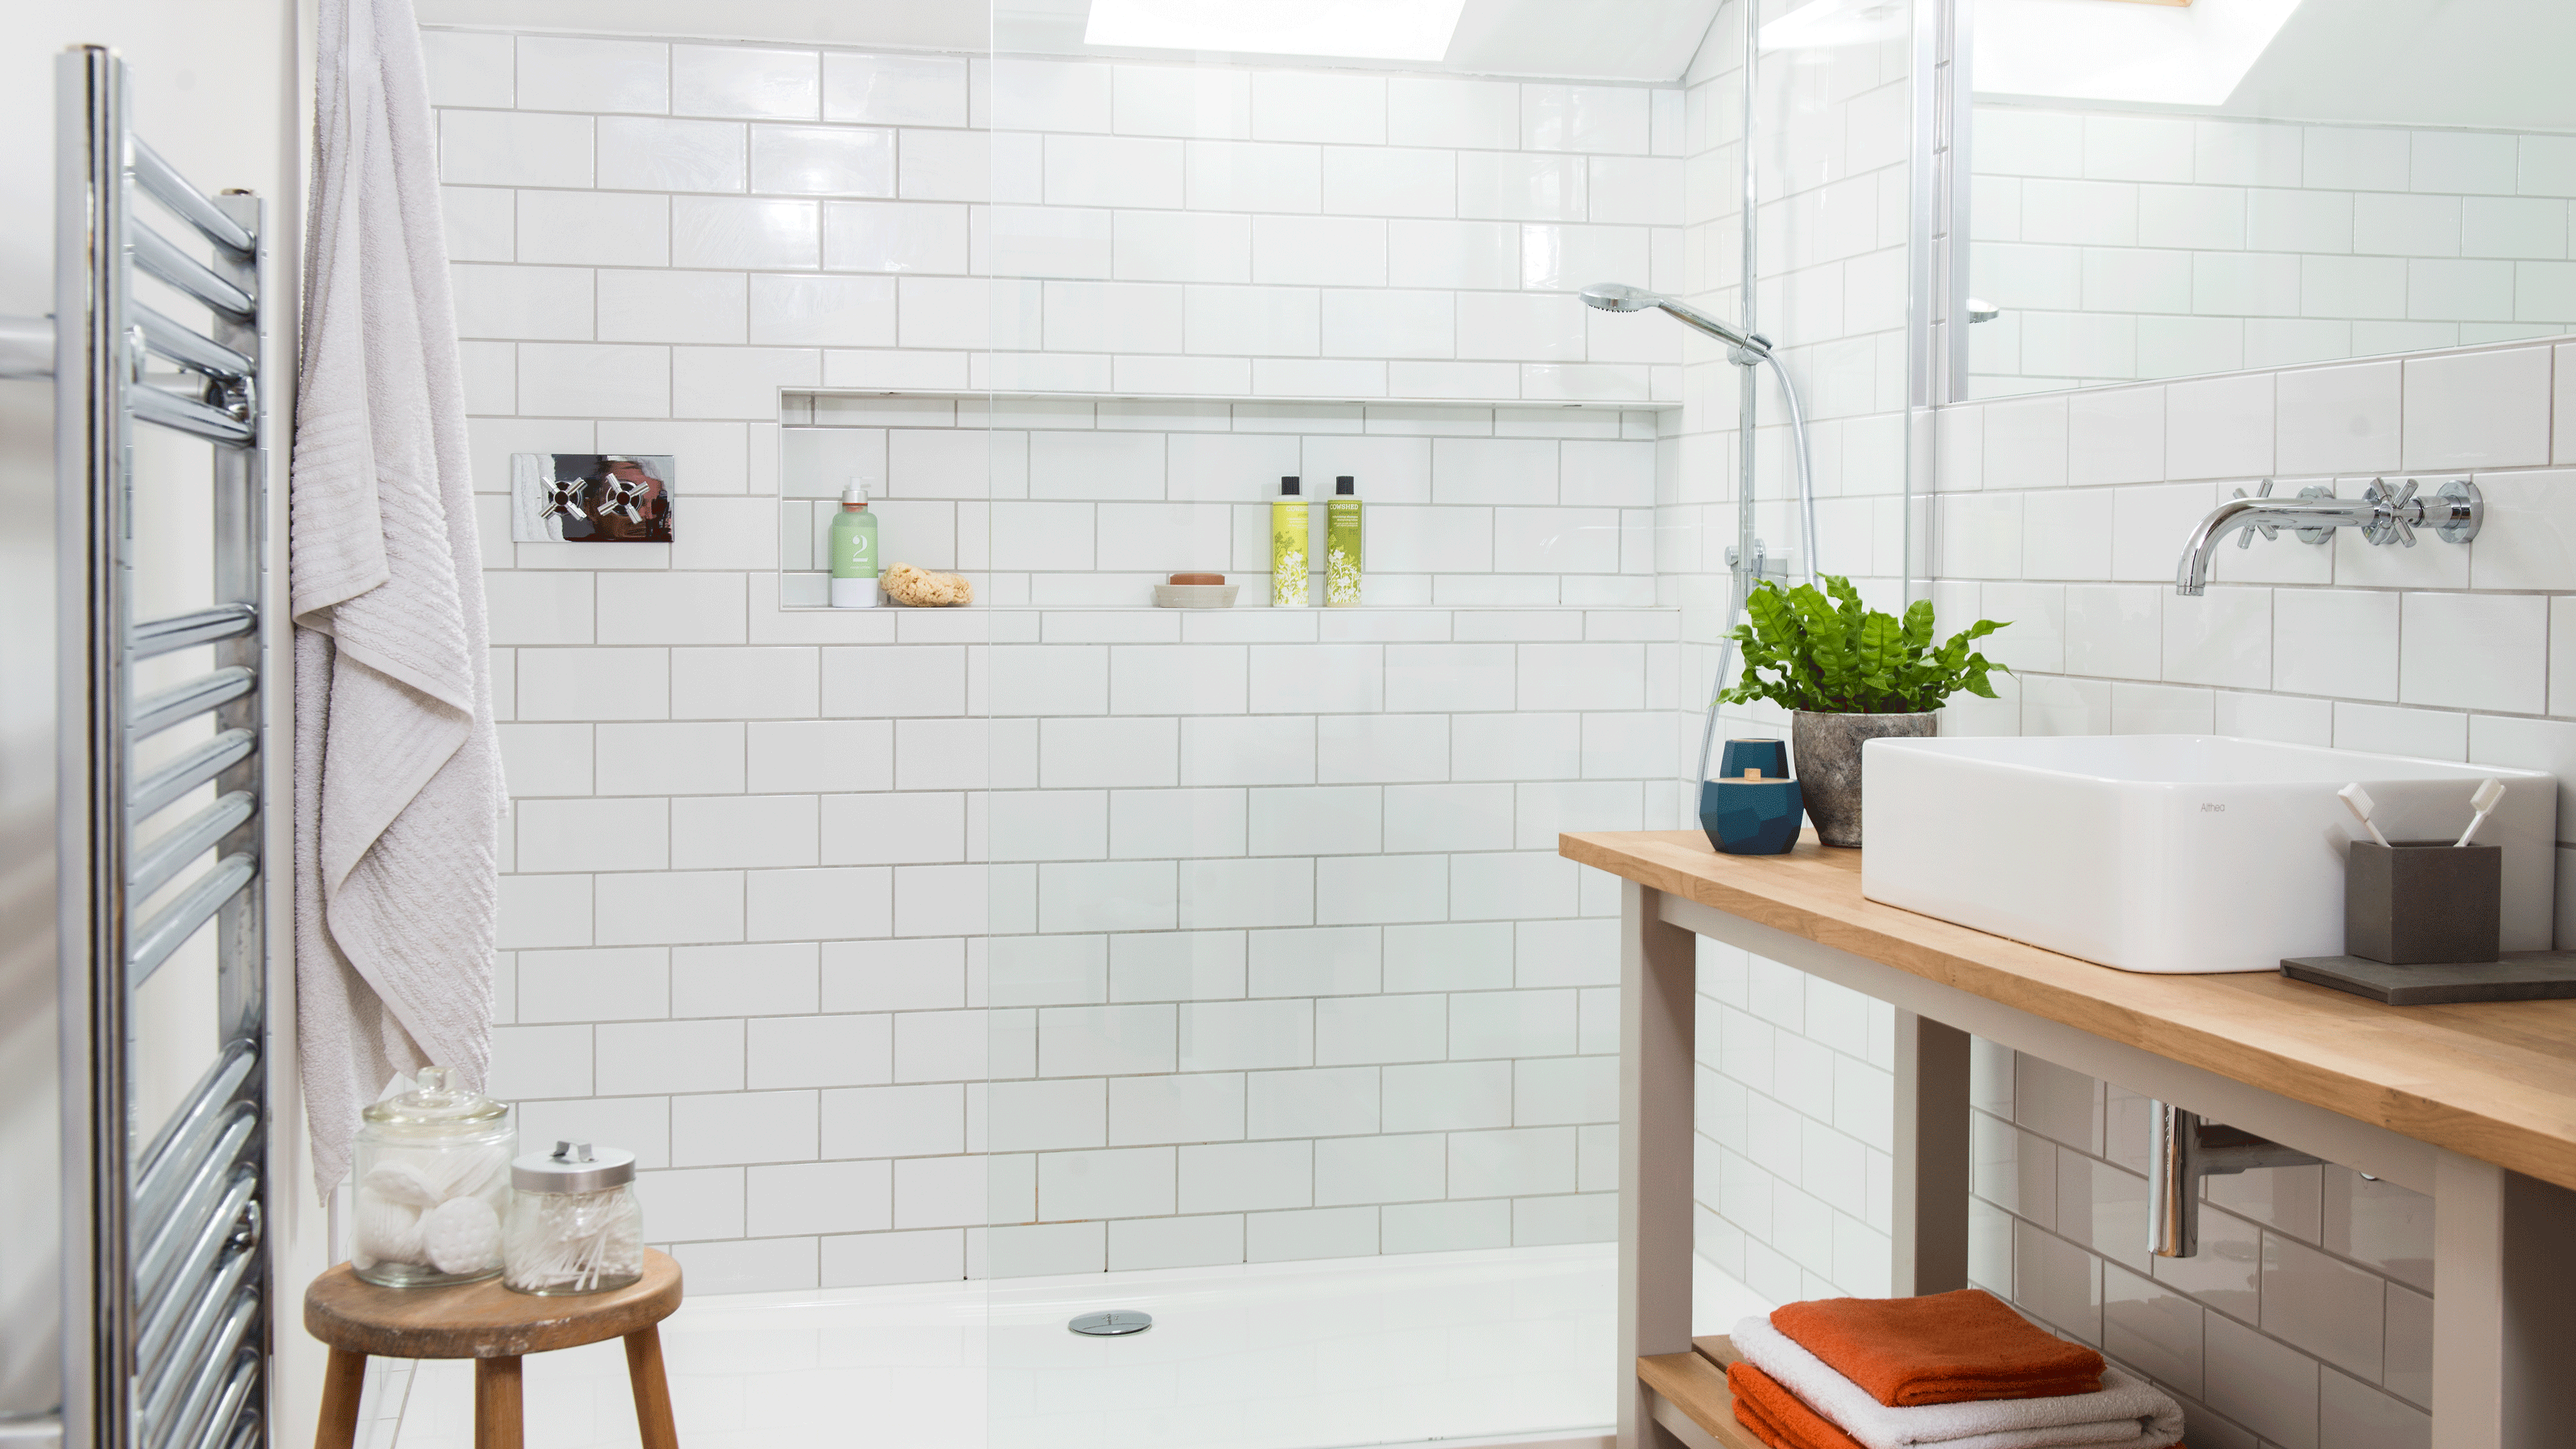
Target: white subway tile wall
(2128,246)
(1130,228)
(1158,939)
(2304,1321)
(1067,937)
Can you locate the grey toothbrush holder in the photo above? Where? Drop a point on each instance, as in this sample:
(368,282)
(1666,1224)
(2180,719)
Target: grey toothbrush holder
(2422,902)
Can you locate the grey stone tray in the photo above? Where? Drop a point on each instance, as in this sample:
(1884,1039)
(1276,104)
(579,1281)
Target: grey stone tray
(2520,976)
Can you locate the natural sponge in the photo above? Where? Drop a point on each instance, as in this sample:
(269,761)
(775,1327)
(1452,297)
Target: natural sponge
(923,589)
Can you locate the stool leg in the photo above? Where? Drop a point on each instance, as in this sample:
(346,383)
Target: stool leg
(496,1404)
(342,1383)
(652,1390)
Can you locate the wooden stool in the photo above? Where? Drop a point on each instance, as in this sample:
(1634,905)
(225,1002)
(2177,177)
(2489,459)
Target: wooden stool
(494,1327)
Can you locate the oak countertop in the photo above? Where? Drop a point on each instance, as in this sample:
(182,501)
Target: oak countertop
(2491,1080)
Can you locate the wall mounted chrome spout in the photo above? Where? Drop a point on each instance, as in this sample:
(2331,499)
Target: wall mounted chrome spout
(2384,515)
(2181,1150)
(1620,297)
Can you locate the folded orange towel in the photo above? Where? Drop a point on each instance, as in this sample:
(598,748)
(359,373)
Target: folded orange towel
(1778,1417)
(1945,1348)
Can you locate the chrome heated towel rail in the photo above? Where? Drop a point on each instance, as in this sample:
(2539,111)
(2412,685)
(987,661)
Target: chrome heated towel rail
(167,1323)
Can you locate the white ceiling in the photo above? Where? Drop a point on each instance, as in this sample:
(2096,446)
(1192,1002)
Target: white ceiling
(1628,40)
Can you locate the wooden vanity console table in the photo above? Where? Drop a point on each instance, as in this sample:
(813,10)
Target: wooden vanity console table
(2473,1105)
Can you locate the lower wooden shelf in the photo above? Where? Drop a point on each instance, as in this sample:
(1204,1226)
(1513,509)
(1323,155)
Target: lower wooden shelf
(1694,1384)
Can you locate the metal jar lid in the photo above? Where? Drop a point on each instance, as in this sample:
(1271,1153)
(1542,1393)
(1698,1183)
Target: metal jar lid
(573,1167)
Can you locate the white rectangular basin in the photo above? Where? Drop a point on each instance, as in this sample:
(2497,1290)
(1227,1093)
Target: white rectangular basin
(2172,852)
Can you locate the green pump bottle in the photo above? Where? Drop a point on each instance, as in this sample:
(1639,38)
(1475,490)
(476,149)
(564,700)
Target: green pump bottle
(854,550)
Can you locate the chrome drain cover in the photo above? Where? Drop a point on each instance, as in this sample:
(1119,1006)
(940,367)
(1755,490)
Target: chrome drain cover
(1113,1324)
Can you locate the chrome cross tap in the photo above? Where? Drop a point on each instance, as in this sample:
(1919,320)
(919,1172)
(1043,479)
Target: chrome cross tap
(625,496)
(2391,525)
(563,495)
(2270,531)
(2384,514)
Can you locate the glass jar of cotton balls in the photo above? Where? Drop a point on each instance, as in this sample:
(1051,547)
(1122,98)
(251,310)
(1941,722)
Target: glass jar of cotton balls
(432,1183)
(575,1226)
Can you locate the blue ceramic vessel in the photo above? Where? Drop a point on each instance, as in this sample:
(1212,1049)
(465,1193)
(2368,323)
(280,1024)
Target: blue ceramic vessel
(1751,817)
(1771,757)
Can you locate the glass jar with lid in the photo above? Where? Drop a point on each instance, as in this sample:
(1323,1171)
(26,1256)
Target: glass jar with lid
(432,1178)
(575,1226)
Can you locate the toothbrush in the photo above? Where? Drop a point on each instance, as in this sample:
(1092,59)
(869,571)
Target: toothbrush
(2484,802)
(2357,800)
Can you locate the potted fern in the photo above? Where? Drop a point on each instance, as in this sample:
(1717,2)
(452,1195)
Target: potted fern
(1849,674)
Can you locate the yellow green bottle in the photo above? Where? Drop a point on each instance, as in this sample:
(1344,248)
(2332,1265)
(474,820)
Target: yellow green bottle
(1288,548)
(1343,545)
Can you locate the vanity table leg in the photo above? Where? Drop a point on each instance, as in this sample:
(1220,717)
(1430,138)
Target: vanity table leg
(1930,1247)
(1657,1014)
(2504,1308)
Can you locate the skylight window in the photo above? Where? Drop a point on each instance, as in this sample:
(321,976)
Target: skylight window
(1359,29)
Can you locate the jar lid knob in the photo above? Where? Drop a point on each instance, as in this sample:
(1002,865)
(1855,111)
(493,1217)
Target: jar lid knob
(572,1151)
(436,1079)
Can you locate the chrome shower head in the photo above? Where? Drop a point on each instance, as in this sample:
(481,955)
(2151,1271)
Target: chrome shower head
(1620,297)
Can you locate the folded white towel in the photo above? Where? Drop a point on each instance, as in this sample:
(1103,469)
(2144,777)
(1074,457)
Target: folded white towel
(2127,1413)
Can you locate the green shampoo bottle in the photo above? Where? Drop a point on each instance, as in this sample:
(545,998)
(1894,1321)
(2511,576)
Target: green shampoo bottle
(854,550)
(1343,545)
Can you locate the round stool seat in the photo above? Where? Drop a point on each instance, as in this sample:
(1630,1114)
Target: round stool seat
(481,1320)
(496,1328)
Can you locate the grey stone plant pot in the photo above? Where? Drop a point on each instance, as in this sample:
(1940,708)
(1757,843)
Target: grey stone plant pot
(1826,756)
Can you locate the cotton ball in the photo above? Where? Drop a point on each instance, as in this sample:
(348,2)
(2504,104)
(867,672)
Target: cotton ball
(462,1235)
(397,1180)
(388,1231)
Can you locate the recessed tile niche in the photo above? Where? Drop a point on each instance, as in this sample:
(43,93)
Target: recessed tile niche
(1083,502)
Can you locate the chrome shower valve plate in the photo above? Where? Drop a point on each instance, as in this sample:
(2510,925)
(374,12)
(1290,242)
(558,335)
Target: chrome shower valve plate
(1116,1323)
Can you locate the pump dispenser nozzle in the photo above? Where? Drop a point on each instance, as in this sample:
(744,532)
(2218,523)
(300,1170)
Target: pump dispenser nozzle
(856,492)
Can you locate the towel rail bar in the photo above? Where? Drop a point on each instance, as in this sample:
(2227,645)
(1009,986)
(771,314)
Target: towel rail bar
(179,920)
(185,1197)
(157,712)
(236,1393)
(161,257)
(181,1343)
(155,864)
(187,415)
(167,1299)
(186,202)
(155,637)
(26,346)
(204,1103)
(191,349)
(171,1238)
(201,763)
(207,1385)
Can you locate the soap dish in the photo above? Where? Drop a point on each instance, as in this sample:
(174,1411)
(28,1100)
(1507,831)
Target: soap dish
(1195,596)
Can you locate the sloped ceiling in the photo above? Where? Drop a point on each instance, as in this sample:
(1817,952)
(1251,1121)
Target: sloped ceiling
(1628,40)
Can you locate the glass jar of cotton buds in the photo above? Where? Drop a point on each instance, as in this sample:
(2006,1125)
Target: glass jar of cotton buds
(575,1226)
(433,1180)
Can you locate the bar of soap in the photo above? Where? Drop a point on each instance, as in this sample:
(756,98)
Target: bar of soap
(1198,578)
